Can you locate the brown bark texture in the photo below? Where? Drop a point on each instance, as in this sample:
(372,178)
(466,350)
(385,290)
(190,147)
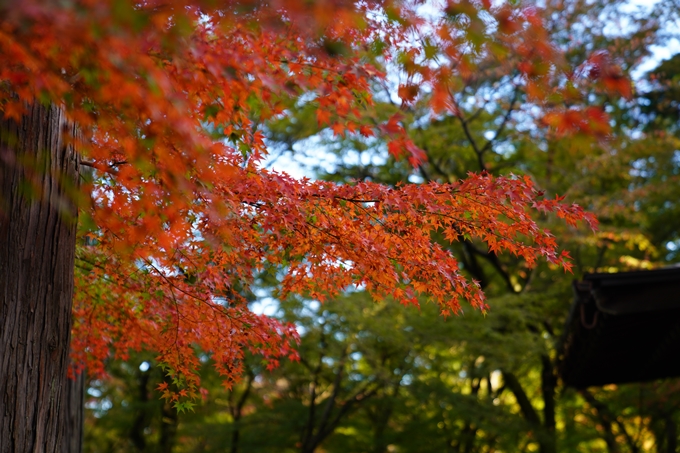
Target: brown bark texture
(38,166)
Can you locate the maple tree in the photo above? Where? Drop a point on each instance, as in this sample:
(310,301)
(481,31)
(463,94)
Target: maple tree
(434,384)
(165,104)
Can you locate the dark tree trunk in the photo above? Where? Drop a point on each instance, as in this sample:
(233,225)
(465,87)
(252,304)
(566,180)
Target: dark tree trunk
(141,422)
(37,250)
(548,385)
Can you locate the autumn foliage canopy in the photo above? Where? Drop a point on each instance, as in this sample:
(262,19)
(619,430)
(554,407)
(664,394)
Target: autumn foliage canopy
(178,215)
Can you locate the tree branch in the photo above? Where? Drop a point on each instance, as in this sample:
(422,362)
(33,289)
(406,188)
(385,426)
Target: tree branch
(525,405)
(330,402)
(504,122)
(605,421)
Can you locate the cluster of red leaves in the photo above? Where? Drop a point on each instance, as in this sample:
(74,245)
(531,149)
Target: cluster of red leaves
(171,97)
(325,237)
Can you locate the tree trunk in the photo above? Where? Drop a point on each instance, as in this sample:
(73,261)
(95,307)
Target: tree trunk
(37,250)
(548,385)
(141,422)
